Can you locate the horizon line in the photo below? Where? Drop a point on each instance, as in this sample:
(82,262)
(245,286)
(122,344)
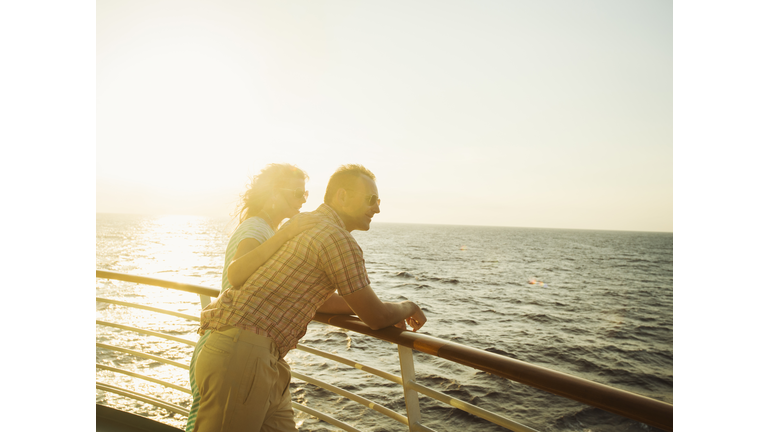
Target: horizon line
(406,223)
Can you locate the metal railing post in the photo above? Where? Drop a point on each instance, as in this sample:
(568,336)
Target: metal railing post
(204,301)
(411,396)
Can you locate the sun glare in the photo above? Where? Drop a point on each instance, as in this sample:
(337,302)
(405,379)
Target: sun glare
(173,242)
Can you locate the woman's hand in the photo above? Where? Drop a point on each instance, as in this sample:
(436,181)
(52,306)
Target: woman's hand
(301,224)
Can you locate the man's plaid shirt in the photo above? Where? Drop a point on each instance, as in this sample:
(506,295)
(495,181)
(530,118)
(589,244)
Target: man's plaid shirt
(279,300)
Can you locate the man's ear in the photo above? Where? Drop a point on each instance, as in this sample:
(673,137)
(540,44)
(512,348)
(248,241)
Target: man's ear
(341,196)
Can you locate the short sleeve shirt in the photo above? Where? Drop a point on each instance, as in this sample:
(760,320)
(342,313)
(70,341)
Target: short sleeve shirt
(253,227)
(282,296)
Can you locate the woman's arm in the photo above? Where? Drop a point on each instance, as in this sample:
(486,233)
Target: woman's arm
(250,254)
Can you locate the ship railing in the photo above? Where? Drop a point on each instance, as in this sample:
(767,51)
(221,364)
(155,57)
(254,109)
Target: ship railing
(630,405)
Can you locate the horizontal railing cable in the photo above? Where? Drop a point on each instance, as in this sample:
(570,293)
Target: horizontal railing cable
(144,355)
(144,377)
(324,417)
(386,375)
(147,332)
(150,308)
(143,398)
(472,409)
(349,395)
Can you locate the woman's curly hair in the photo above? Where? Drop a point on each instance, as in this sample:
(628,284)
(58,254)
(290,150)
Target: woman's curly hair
(262,185)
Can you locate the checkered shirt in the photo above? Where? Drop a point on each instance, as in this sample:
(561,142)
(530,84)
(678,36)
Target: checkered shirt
(279,300)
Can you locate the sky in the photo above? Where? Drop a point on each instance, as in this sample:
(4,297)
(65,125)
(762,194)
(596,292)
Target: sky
(552,114)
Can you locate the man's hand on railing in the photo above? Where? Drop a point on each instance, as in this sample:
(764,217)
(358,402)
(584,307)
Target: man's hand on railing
(416,321)
(378,315)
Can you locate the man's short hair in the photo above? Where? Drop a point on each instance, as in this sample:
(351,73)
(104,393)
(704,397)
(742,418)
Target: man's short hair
(345,178)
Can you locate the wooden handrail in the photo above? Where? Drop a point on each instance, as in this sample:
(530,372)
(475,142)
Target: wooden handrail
(641,408)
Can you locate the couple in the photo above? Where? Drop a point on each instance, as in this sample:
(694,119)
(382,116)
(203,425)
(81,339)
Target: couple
(272,285)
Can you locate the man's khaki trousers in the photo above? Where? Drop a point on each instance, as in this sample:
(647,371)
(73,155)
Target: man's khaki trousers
(244,385)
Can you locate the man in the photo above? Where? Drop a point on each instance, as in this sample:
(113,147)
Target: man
(241,374)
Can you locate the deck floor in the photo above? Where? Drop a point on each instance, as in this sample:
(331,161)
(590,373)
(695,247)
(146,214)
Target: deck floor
(113,420)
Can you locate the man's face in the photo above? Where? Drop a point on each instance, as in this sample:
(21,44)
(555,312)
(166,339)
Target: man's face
(358,208)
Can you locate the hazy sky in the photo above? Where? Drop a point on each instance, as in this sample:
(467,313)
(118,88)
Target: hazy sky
(509,113)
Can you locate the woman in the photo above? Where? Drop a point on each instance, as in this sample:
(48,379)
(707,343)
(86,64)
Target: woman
(275,194)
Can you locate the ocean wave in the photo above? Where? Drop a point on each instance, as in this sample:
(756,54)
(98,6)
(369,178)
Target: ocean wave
(577,331)
(540,318)
(424,258)
(442,280)
(408,275)
(629,379)
(413,286)
(501,352)
(492,311)
(597,420)
(466,321)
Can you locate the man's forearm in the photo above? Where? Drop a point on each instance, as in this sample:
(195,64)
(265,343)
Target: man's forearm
(394,313)
(377,314)
(336,305)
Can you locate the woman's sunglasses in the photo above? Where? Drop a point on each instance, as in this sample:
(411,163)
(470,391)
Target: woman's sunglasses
(297,193)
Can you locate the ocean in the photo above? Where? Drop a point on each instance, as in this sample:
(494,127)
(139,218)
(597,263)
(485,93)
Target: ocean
(600,309)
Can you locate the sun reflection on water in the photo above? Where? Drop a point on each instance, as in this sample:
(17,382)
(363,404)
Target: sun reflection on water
(175,247)
(173,242)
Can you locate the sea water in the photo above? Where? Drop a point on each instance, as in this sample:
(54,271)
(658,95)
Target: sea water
(600,309)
